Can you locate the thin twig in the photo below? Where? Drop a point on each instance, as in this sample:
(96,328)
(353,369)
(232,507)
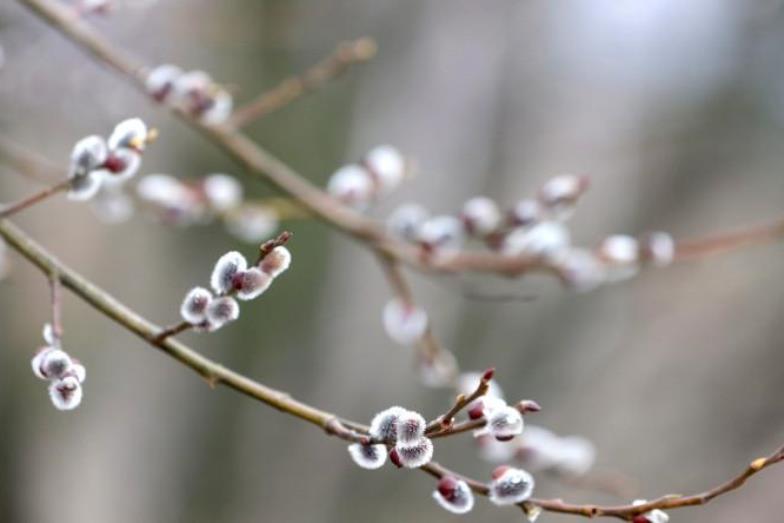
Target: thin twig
(57,305)
(338,62)
(173,330)
(699,248)
(13,208)
(270,245)
(446,420)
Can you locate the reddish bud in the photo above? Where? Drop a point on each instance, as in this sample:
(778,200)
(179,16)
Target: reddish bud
(114,163)
(499,471)
(527,406)
(447,487)
(477,411)
(488,375)
(394,457)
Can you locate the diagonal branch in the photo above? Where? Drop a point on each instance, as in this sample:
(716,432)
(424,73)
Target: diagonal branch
(263,165)
(338,62)
(216,374)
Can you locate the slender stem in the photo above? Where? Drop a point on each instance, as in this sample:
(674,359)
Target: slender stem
(57,304)
(13,208)
(338,62)
(461,401)
(173,330)
(719,243)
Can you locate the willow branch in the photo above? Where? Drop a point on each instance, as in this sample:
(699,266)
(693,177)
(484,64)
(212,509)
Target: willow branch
(19,206)
(213,372)
(262,164)
(216,374)
(338,62)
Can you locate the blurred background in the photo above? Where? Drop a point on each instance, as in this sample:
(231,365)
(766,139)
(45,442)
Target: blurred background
(676,111)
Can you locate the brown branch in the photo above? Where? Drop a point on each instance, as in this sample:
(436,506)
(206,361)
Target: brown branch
(13,208)
(216,374)
(688,250)
(445,421)
(338,62)
(260,163)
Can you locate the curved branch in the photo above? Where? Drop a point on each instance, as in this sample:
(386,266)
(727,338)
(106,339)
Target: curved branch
(262,164)
(342,58)
(216,374)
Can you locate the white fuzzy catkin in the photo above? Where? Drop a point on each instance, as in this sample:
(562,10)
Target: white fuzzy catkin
(352,185)
(194,306)
(251,223)
(252,283)
(511,486)
(77,370)
(543,240)
(223,192)
(383,426)
(410,428)
(37,361)
(659,248)
(481,216)
(503,423)
(55,363)
(580,269)
(387,165)
(277,261)
(445,233)
(369,457)
(65,393)
(525,213)
(415,455)
(405,221)
(129,134)
(454,495)
(404,323)
(227,266)
(621,254)
(222,310)
(86,186)
(220,107)
(88,154)
(160,81)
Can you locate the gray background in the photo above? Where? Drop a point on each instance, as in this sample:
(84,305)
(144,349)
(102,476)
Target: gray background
(674,108)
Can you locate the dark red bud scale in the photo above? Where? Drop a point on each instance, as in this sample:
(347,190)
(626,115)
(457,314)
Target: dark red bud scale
(114,164)
(394,457)
(504,438)
(640,519)
(499,471)
(527,406)
(488,375)
(477,411)
(447,487)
